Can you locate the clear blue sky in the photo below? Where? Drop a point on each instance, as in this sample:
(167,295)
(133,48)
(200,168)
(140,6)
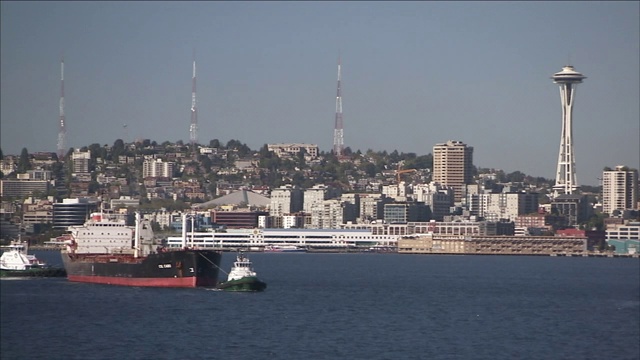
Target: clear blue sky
(414,74)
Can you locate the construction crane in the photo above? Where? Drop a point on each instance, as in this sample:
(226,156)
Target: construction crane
(400,171)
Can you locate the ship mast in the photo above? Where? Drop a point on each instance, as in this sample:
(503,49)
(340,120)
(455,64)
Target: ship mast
(136,243)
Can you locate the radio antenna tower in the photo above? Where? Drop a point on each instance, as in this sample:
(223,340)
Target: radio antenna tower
(193,128)
(338,132)
(62,129)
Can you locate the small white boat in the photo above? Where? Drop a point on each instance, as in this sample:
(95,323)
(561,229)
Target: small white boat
(283,248)
(17,262)
(15,257)
(242,276)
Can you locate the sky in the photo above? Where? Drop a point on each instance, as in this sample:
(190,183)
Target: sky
(414,74)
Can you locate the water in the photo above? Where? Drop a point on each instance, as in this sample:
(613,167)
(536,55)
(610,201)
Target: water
(342,306)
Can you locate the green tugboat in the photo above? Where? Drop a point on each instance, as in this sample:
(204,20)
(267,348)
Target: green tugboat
(242,277)
(17,262)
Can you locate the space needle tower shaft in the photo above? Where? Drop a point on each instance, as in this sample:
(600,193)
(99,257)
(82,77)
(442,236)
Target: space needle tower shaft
(193,128)
(338,132)
(62,130)
(566,181)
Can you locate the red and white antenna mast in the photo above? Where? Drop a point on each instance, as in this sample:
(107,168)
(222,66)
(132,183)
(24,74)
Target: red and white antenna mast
(193,128)
(338,132)
(62,129)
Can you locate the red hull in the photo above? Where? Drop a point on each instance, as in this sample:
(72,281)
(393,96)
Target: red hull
(185,282)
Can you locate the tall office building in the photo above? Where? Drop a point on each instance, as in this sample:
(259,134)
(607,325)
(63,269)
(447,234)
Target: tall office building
(619,189)
(453,166)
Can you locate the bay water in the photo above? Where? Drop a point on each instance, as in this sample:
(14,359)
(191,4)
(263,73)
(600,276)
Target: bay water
(341,306)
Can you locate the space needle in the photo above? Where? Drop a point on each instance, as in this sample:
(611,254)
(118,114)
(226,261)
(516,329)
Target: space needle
(566,182)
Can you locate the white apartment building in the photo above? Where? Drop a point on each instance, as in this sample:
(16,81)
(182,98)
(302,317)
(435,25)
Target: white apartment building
(328,214)
(286,199)
(289,150)
(619,189)
(316,195)
(372,207)
(494,207)
(398,192)
(80,161)
(157,168)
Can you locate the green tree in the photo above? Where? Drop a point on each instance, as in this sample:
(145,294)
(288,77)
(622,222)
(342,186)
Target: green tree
(69,153)
(24,162)
(301,161)
(420,162)
(117,149)
(370,169)
(206,163)
(515,176)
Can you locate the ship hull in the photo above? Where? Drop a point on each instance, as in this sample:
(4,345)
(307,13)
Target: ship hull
(182,268)
(35,272)
(248,283)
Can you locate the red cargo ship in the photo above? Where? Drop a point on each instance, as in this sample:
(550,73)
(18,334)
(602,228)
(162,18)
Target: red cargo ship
(107,251)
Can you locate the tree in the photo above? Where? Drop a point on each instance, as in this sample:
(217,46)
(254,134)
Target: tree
(301,161)
(69,153)
(117,150)
(24,163)
(515,176)
(265,153)
(370,169)
(243,150)
(232,144)
(420,162)
(206,163)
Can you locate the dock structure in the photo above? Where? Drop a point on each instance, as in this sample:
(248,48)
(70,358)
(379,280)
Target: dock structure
(493,245)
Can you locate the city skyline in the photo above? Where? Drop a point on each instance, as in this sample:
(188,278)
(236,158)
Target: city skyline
(414,74)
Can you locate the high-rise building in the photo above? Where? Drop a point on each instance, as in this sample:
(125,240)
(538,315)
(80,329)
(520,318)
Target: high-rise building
(316,195)
(619,189)
(330,214)
(566,181)
(81,161)
(285,200)
(157,168)
(372,207)
(508,205)
(453,166)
